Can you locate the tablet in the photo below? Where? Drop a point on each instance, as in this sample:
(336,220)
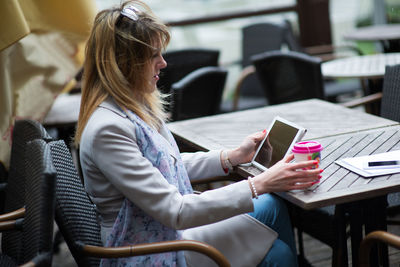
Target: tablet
(280,138)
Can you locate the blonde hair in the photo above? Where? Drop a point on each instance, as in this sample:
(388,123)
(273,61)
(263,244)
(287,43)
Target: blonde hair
(118,54)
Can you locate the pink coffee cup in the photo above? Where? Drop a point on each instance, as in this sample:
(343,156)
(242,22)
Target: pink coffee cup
(307,150)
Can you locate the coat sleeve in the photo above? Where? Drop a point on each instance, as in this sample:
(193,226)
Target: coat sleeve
(203,164)
(115,152)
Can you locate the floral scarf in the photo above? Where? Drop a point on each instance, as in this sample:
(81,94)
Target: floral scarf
(133,225)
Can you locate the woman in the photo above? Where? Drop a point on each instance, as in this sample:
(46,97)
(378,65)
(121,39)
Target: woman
(136,176)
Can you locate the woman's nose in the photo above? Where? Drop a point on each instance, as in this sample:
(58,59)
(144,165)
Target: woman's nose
(163,63)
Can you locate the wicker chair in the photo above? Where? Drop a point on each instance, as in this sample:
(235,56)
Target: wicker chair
(77,220)
(198,94)
(289,76)
(23,132)
(182,62)
(256,38)
(375,237)
(36,227)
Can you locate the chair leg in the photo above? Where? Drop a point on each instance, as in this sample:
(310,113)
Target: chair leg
(375,217)
(58,239)
(339,250)
(300,243)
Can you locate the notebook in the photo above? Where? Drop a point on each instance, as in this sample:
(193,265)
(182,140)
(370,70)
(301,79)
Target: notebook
(280,138)
(359,164)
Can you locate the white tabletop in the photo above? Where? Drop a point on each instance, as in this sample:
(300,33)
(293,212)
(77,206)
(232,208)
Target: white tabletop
(368,66)
(379,32)
(64,111)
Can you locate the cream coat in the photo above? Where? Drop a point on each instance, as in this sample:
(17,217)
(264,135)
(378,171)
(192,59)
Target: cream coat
(114,168)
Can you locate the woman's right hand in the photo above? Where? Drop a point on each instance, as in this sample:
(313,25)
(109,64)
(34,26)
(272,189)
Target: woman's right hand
(285,176)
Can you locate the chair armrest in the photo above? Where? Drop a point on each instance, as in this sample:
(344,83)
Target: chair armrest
(19,213)
(157,247)
(249,70)
(329,52)
(319,49)
(363,100)
(371,239)
(28,264)
(8,225)
(325,49)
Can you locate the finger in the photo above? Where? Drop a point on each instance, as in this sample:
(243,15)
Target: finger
(288,158)
(301,186)
(313,180)
(305,164)
(307,177)
(307,173)
(260,135)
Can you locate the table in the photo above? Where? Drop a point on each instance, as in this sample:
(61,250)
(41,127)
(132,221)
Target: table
(367,66)
(64,111)
(343,132)
(370,69)
(321,118)
(387,34)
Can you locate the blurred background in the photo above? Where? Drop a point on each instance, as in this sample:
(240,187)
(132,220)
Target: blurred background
(225,36)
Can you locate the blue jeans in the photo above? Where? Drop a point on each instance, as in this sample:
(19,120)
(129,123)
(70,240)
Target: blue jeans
(271,210)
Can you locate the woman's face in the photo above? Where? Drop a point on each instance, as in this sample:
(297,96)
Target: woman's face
(157,63)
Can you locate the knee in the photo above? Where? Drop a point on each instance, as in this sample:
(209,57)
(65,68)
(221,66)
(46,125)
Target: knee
(270,202)
(280,255)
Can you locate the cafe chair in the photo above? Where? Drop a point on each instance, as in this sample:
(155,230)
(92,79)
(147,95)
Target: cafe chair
(375,238)
(324,52)
(24,130)
(256,38)
(289,76)
(77,220)
(385,103)
(333,88)
(198,94)
(35,244)
(183,61)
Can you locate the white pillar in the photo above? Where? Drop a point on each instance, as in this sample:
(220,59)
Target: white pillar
(379,12)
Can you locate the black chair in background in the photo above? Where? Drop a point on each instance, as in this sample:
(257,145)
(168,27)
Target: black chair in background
(262,37)
(182,62)
(198,94)
(256,38)
(35,244)
(333,88)
(14,190)
(77,220)
(390,104)
(289,76)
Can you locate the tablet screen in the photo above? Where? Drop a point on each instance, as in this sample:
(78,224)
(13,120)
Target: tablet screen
(277,143)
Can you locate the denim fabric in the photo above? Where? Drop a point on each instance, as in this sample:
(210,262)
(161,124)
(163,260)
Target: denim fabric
(271,210)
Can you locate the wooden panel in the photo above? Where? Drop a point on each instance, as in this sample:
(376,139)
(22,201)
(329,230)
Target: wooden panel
(314,22)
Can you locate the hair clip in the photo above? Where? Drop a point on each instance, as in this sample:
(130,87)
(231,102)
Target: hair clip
(130,12)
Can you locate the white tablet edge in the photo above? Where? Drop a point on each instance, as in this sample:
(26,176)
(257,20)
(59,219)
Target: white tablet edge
(300,134)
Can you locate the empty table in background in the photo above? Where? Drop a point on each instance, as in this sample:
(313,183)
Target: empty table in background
(368,66)
(387,34)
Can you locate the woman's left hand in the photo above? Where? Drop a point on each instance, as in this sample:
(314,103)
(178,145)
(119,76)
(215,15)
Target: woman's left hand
(245,152)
